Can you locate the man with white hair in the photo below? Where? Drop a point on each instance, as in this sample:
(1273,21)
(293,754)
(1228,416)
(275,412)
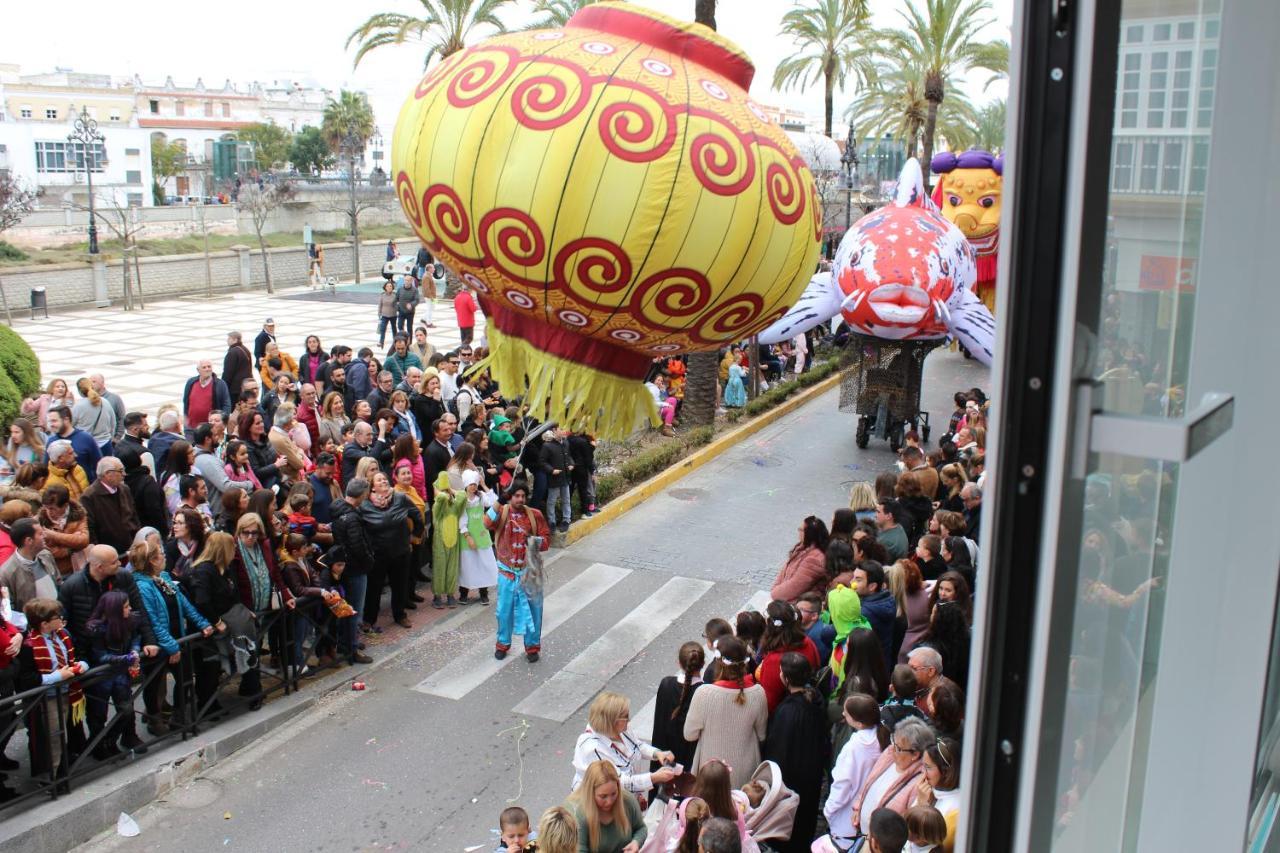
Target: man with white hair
(926,663)
(100,385)
(971,497)
(113,519)
(208,465)
(168,430)
(65,470)
(204,393)
(283,444)
(412,381)
(362,444)
(62,426)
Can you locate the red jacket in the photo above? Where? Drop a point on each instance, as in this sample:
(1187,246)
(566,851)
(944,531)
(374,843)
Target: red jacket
(308,417)
(7,633)
(464,305)
(804,572)
(769,673)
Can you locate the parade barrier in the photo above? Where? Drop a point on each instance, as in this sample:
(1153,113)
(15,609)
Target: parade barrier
(37,706)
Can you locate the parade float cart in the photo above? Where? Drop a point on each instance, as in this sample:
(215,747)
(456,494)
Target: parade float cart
(881,385)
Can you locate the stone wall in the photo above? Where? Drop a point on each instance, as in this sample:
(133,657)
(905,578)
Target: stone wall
(69,285)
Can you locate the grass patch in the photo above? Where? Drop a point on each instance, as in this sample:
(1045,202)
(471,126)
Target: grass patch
(10,252)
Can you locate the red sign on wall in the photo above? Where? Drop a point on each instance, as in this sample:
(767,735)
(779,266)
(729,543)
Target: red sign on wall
(1157,272)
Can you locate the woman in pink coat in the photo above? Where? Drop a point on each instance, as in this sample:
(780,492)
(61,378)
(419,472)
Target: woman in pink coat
(805,568)
(892,782)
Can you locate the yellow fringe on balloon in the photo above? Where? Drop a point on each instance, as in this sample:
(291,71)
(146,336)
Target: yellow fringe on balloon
(577,396)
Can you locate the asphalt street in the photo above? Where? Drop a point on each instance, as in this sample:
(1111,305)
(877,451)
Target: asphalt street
(445,737)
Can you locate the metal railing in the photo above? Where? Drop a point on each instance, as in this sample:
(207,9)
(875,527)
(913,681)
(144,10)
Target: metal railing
(36,708)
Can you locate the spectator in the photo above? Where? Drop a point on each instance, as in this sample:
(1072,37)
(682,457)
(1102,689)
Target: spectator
(117,644)
(852,766)
(325,489)
(63,470)
(95,416)
(420,347)
(953,479)
(557,831)
(608,739)
(913,459)
(877,603)
(558,466)
(23,446)
(57,394)
(805,569)
(66,530)
(971,497)
(407,299)
(206,464)
(929,557)
(907,586)
(728,718)
(11,511)
(237,364)
(283,445)
(349,534)
(259,586)
(266,462)
(671,706)
(609,818)
(465,309)
(916,507)
(449,377)
(940,786)
(148,497)
(136,435)
(926,663)
(948,631)
(944,706)
(282,391)
(363,445)
(212,589)
(188,530)
(782,635)
(386,311)
(269,369)
(309,416)
(29,572)
(893,778)
(266,336)
(204,393)
(719,835)
(170,432)
(333,419)
(312,361)
(87,452)
(380,396)
(391,522)
(955,551)
(809,608)
(890,534)
(54,658)
(888,832)
(798,742)
(862,500)
(400,359)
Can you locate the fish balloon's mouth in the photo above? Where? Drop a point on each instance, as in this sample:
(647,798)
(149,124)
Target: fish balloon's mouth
(899,303)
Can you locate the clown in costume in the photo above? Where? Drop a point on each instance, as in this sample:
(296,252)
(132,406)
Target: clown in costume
(846,615)
(445,512)
(517,613)
(479,566)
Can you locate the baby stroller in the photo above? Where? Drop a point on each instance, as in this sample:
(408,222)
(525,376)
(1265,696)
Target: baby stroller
(773,818)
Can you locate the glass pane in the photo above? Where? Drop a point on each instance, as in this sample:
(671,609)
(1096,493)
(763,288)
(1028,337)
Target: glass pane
(1149,287)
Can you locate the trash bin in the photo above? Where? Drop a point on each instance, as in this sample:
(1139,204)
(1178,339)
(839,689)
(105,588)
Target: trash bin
(39,301)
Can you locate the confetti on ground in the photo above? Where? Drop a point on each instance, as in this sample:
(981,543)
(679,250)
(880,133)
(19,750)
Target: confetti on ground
(226,815)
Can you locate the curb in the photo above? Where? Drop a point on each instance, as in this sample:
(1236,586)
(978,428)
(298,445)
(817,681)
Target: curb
(629,499)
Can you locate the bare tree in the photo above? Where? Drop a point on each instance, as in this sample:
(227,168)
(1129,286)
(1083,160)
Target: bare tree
(259,200)
(122,220)
(16,201)
(353,201)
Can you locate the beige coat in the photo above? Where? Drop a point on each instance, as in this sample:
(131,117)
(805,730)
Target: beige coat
(284,445)
(726,730)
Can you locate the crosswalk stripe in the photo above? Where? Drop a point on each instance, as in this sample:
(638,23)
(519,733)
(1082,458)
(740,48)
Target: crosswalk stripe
(642,720)
(470,669)
(584,676)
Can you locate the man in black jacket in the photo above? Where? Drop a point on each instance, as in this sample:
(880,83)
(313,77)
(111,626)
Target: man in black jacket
(237,364)
(362,444)
(558,466)
(266,336)
(79,594)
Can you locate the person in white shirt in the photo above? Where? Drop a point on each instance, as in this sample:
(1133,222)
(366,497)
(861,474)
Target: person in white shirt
(449,377)
(940,786)
(607,738)
(852,766)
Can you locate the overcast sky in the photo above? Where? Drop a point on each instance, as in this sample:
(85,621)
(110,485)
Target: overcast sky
(288,40)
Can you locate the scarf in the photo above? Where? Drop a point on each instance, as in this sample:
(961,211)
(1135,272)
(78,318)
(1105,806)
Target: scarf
(52,652)
(255,566)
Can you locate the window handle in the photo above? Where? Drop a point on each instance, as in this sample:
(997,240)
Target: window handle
(1166,439)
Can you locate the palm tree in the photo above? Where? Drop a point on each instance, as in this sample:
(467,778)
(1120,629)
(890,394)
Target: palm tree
(990,127)
(445,27)
(942,41)
(831,35)
(555,13)
(895,104)
(346,114)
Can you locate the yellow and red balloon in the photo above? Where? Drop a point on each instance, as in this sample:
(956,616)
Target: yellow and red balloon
(613,195)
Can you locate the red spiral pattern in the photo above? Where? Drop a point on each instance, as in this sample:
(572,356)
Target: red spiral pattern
(602,267)
(510,239)
(536,100)
(445,215)
(729,320)
(679,292)
(714,160)
(786,197)
(433,77)
(408,198)
(481,76)
(815,208)
(626,126)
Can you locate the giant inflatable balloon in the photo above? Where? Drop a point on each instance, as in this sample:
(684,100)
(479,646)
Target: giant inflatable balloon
(613,195)
(969,193)
(902,272)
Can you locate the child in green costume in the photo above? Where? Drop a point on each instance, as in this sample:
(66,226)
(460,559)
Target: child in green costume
(446,512)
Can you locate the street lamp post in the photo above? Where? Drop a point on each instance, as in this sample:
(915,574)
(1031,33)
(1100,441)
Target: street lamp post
(87,135)
(849,159)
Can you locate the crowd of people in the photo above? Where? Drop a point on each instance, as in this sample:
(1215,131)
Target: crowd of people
(322,492)
(831,720)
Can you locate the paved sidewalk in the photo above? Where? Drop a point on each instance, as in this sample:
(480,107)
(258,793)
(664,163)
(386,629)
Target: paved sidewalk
(146,356)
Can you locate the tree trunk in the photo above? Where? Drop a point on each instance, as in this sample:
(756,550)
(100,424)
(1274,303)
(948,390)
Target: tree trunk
(930,122)
(699,407)
(128,280)
(137,275)
(704,12)
(8,315)
(266,262)
(829,103)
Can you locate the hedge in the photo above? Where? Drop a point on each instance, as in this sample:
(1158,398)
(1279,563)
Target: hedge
(19,361)
(656,459)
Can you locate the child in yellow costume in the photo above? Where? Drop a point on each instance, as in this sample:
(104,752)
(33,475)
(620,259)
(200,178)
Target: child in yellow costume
(446,549)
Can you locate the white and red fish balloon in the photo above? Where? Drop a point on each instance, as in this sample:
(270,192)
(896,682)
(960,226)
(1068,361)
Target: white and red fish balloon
(902,272)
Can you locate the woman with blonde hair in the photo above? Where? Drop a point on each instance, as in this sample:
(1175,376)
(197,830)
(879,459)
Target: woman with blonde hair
(366,468)
(953,477)
(333,418)
(93,416)
(862,500)
(608,739)
(557,831)
(609,818)
(56,393)
(211,587)
(288,364)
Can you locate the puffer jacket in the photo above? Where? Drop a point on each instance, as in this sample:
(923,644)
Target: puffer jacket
(158,612)
(79,594)
(388,532)
(349,532)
